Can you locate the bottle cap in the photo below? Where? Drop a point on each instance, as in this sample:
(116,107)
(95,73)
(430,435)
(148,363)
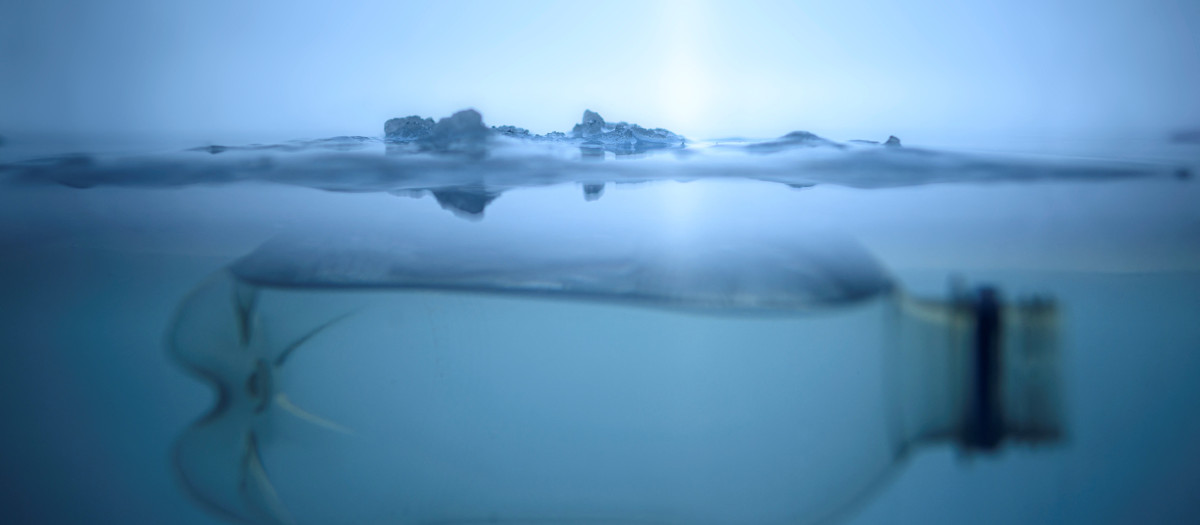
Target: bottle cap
(1030,386)
(1013,388)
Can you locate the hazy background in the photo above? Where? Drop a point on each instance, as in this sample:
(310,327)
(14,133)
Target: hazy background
(930,71)
(90,401)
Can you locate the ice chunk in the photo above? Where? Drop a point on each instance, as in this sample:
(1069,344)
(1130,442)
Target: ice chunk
(593,192)
(467,123)
(620,140)
(892,142)
(657,136)
(804,138)
(622,137)
(513,131)
(462,132)
(407,128)
(467,201)
(591,125)
(340,143)
(794,140)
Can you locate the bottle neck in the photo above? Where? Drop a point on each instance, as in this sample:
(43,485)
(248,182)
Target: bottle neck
(974,371)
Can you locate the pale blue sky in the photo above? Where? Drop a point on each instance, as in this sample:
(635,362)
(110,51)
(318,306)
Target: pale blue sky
(919,68)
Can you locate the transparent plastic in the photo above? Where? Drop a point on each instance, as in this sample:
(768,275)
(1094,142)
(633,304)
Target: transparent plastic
(757,383)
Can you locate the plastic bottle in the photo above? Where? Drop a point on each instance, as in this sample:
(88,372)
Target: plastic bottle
(681,378)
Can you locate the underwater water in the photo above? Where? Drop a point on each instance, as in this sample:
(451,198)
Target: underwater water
(95,267)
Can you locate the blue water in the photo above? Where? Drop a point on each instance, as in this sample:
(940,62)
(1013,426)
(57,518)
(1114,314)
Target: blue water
(90,278)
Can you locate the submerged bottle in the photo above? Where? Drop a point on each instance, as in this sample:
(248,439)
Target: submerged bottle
(700,379)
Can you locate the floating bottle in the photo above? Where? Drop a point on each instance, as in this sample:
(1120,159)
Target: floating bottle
(665,377)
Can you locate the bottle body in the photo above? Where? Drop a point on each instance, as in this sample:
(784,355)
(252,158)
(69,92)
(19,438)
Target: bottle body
(416,406)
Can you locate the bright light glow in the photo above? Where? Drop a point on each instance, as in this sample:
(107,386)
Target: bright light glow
(685,86)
